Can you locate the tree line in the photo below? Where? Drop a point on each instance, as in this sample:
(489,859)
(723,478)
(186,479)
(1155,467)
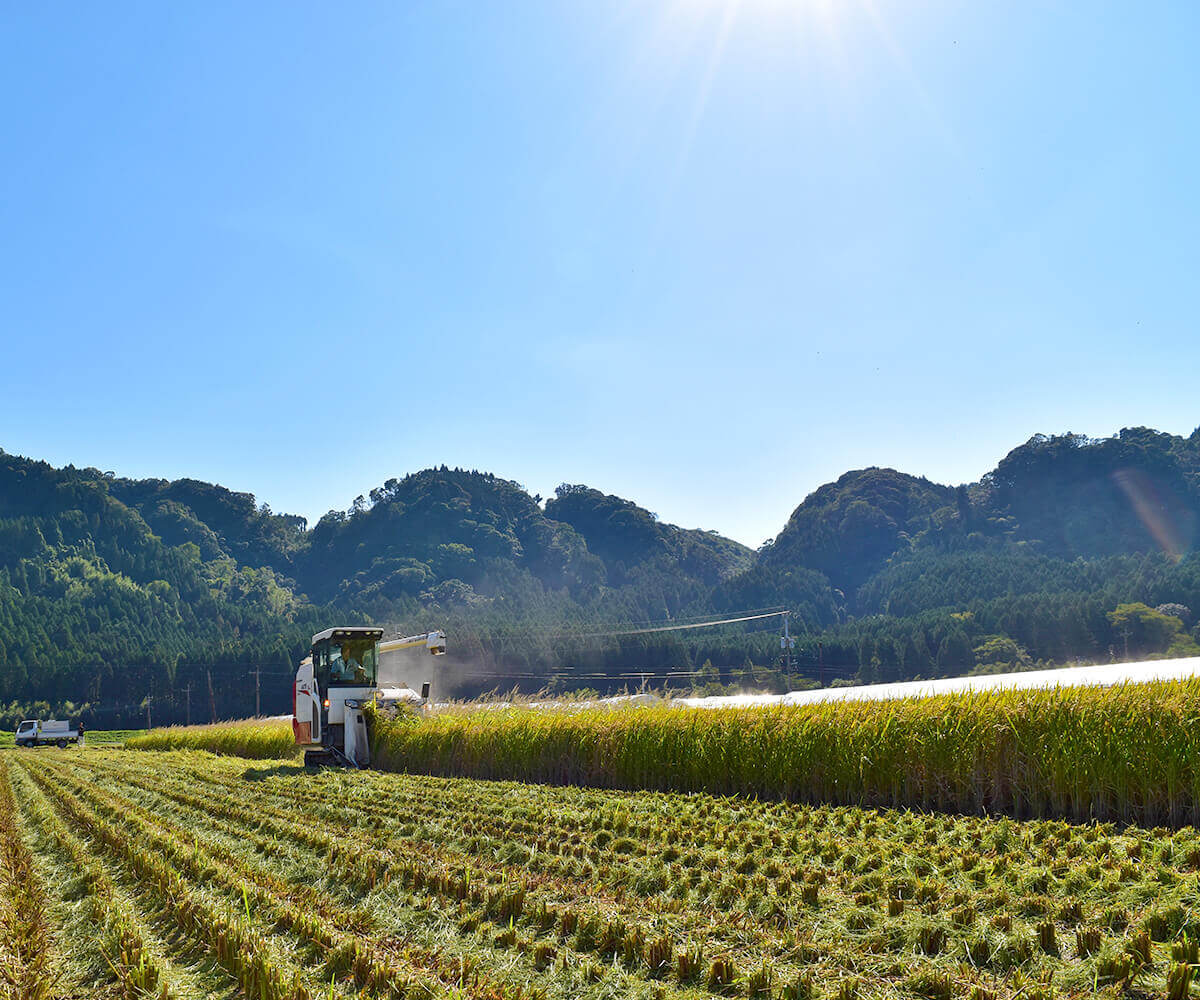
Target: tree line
(127,594)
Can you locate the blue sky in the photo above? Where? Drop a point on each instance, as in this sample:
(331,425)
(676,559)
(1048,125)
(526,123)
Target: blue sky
(704,254)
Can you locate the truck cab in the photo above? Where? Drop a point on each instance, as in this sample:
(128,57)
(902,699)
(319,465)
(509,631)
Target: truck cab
(26,733)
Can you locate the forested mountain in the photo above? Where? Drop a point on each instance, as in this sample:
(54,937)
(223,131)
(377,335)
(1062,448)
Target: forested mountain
(628,539)
(850,529)
(443,536)
(1071,496)
(95,605)
(114,590)
(218,521)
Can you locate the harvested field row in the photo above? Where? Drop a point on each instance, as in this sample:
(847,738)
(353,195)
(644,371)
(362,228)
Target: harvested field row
(24,940)
(272,881)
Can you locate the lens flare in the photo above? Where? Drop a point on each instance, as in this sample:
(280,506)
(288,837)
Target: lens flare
(1170,524)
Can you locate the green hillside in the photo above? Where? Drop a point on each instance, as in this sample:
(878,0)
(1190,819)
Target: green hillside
(112,590)
(1073,497)
(850,529)
(444,536)
(95,606)
(629,539)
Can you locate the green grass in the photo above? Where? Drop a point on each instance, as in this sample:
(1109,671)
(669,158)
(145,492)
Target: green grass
(110,736)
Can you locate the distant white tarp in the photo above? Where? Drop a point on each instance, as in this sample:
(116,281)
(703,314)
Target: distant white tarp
(1100,676)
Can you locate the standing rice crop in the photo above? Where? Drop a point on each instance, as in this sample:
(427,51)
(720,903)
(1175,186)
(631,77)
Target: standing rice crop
(260,739)
(1126,753)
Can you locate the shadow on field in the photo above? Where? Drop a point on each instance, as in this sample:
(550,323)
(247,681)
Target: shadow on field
(278,771)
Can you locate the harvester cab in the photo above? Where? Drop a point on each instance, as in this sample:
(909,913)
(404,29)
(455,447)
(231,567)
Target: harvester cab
(340,678)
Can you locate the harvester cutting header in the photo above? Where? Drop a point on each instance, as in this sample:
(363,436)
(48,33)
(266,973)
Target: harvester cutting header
(340,677)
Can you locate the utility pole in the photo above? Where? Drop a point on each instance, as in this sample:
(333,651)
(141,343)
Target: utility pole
(148,712)
(786,642)
(212,698)
(257,703)
(821,662)
(187,694)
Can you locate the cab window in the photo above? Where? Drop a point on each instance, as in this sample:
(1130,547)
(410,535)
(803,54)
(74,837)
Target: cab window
(345,662)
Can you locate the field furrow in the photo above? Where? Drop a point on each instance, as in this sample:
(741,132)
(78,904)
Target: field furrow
(110,920)
(341,940)
(352,884)
(24,935)
(210,921)
(449,878)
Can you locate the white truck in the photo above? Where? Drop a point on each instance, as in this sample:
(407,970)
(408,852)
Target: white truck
(38,733)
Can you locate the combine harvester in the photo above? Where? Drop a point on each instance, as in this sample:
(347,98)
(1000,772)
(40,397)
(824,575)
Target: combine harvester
(337,680)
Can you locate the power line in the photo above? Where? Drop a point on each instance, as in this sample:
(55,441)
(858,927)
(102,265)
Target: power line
(628,628)
(568,673)
(680,628)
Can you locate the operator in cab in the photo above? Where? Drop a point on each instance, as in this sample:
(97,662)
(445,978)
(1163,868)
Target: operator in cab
(346,670)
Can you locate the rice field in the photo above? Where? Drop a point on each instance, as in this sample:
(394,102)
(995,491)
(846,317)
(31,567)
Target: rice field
(188,875)
(257,739)
(1128,753)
